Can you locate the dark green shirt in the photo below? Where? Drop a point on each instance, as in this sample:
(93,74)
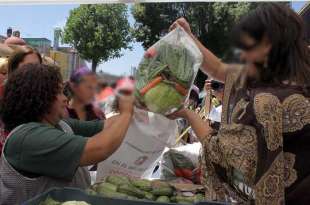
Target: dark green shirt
(41,150)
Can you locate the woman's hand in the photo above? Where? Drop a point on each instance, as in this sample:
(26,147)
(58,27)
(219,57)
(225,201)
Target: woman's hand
(183,23)
(183,113)
(126,104)
(200,127)
(211,65)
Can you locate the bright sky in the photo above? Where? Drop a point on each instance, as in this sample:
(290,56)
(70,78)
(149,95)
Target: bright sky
(40,20)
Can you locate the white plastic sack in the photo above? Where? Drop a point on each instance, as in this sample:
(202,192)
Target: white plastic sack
(182,157)
(215,114)
(144,143)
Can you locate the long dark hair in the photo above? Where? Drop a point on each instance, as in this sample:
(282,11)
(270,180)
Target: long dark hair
(289,57)
(18,56)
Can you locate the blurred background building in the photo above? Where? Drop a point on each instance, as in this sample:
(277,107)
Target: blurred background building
(43,45)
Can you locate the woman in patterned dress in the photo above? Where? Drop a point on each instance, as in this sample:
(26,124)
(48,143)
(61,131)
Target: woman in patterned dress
(260,153)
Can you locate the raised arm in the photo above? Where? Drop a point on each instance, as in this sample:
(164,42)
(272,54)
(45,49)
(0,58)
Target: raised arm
(199,126)
(103,144)
(211,65)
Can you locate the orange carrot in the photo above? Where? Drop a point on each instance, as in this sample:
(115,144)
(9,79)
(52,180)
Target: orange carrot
(151,85)
(181,89)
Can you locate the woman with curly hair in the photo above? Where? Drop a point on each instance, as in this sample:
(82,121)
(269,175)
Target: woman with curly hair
(43,150)
(260,155)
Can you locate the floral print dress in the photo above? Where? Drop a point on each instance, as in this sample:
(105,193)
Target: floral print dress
(260,153)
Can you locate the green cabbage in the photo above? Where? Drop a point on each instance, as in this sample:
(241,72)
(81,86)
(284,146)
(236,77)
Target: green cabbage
(162,98)
(50,201)
(179,62)
(172,61)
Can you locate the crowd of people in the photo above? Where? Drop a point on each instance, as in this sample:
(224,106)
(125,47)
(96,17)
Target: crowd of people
(256,152)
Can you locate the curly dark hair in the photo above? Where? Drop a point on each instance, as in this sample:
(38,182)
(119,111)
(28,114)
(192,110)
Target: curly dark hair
(29,94)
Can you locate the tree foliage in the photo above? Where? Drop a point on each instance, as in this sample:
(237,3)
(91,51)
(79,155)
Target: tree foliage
(99,32)
(211,22)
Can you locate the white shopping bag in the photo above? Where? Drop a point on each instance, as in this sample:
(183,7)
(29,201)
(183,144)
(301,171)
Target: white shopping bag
(215,114)
(145,141)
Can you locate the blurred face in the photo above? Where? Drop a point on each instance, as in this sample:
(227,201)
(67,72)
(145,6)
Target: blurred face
(58,110)
(29,59)
(85,91)
(252,51)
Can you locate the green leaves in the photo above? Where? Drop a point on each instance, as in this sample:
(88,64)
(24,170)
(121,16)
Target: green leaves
(99,31)
(153,20)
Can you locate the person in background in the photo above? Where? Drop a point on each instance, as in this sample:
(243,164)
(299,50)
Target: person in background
(22,56)
(3,78)
(131,78)
(192,104)
(260,155)
(3,74)
(102,85)
(122,86)
(81,90)
(193,100)
(104,92)
(217,93)
(43,149)
(4,66)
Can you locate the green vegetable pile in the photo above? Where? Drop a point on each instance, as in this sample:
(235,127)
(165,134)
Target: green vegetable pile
(174,64)
(50,201)
(141,189)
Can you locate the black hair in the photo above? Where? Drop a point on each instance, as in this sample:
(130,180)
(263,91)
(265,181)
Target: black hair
(113,85)
(289,57)
(215,85)
(194,96)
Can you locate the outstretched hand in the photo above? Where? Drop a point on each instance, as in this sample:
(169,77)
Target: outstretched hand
(183,23)
(178,114)
(126,103)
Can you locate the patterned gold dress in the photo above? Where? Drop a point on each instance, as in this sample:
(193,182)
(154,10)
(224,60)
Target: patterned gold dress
(260,153)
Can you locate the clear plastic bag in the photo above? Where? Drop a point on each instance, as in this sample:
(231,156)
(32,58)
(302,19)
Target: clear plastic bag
(167,71)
